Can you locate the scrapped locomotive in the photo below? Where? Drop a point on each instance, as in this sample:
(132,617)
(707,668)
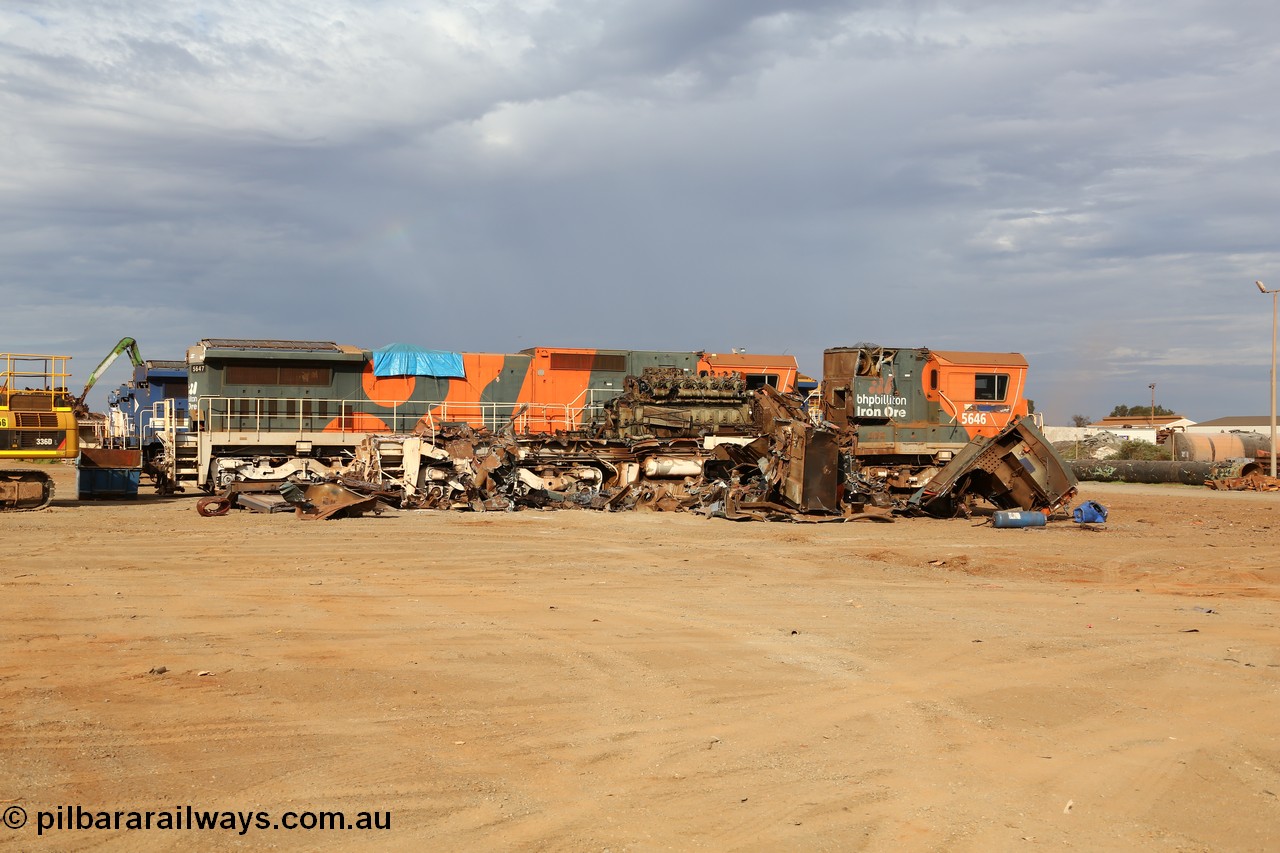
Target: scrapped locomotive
(272,410)
(913,410)
(724,433)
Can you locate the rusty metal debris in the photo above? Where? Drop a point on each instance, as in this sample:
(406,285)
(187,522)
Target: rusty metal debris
(319,501)
(1015,469)
(671,442)
(312,502)
(1251,479)
(259,497)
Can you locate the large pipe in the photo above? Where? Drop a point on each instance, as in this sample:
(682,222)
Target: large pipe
(1142,471)
(1219,446)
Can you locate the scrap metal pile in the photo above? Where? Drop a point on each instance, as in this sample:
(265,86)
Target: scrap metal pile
(669,442)
(675,442)
(1250,479)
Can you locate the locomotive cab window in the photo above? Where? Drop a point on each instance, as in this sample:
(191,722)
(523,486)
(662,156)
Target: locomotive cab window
(759,380)
(990,386)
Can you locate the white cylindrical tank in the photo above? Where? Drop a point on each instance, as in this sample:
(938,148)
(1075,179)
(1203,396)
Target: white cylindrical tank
(669,467)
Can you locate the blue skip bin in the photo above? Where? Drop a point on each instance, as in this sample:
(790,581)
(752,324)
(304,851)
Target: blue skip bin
(103,473)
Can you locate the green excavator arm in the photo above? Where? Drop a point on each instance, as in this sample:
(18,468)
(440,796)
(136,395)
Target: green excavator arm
(126,345)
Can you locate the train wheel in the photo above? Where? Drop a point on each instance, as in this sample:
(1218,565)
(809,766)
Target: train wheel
(214,506)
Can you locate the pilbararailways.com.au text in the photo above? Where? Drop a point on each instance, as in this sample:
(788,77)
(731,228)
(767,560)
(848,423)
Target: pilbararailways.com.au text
(73,818)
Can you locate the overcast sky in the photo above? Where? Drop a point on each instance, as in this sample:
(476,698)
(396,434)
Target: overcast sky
(1093,184)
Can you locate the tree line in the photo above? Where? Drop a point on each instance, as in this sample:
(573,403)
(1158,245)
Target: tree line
(1123,411)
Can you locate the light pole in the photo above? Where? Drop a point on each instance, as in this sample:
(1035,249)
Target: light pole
(1274,294)
(1151,421)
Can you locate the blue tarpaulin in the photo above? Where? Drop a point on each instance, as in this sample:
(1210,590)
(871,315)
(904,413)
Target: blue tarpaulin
(408,360)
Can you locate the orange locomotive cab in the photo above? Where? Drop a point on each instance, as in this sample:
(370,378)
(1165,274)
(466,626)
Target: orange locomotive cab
(913,409)
(982,391)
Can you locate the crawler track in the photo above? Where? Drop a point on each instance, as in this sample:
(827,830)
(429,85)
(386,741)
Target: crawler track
(24,490)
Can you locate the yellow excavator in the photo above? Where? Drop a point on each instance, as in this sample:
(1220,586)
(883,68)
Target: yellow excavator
(37,421)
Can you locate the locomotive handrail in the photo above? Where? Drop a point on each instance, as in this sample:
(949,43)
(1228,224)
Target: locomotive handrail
(120,425)
(281,415)
(955,407)
(164,421)
(1017,394)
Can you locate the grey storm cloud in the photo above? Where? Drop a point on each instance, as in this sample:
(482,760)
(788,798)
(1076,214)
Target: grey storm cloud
(1092,184)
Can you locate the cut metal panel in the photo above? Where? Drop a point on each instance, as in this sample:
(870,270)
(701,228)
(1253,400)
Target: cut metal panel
(1016,469)
(821,473)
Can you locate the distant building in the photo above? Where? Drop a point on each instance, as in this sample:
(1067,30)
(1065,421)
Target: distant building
(1133,427)
(1115,423)
(1154,430)
(1242,423)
